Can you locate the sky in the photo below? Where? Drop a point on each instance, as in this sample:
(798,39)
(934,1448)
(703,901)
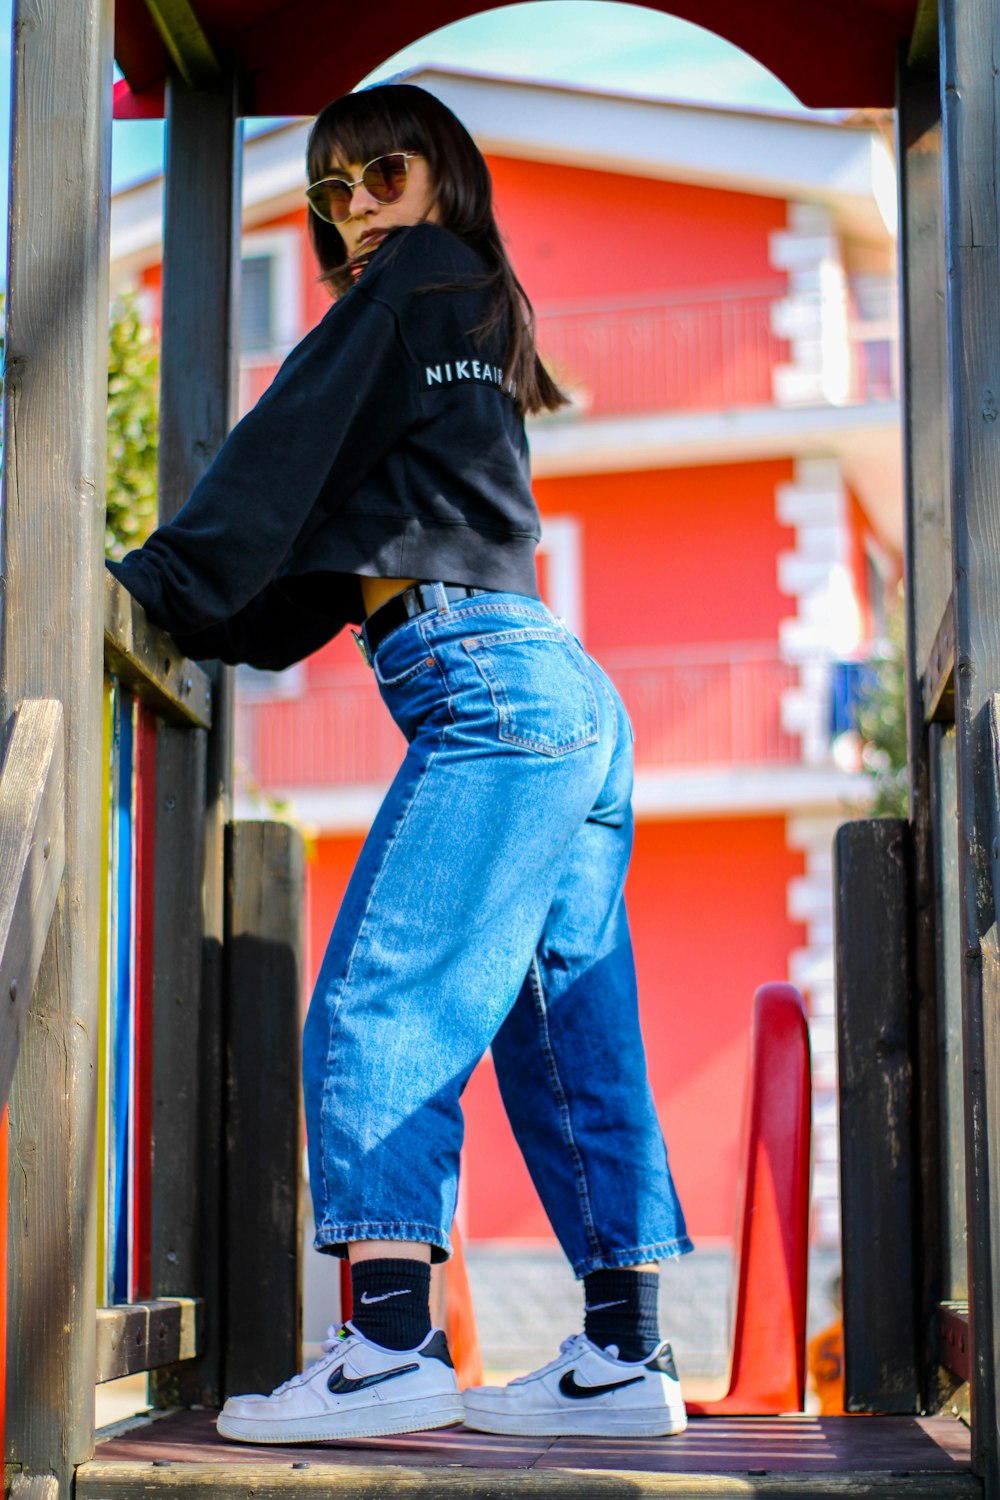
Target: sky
(588,42)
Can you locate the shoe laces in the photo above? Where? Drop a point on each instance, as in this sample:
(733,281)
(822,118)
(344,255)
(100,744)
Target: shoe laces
(336,1341)
(553,1364)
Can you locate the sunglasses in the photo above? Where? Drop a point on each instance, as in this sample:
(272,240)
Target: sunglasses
(384,179)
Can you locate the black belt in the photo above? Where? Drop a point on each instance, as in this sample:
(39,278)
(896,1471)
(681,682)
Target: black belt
(416,600)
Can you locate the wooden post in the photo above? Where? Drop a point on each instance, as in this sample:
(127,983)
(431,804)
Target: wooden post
(201,249)
(927,574)
(970,39)
(265,948)
(877,1169)
(55,417)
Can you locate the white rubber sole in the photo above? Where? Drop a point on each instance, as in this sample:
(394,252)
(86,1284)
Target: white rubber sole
(562,1423)
(381,1421)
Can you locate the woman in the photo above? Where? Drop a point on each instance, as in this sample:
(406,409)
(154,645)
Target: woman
(383,479)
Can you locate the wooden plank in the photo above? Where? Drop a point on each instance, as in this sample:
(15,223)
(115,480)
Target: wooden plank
(145,928)
(819,1451)
(177,1202)
(103,1291)
(265,948)
(34,1487)
(948,1020)
(55,440)
(146,660)
(120,1059)
(197,407)
(32,856)
(927,552)
(137,1336)
(236,1482)
(922,55)
(969,37)
(877,1167)
(953,1319)
(937,682)
(185,40)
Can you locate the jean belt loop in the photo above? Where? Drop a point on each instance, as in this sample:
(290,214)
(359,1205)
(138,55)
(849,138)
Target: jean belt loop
(441,596)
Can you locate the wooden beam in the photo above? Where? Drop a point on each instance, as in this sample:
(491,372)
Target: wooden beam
(185,40)
(875,1068)
(265,952)
(937,681)
(970,37)
(55,440)
(927,573)
(922,55)
(199,330)
(137,1336)
(146,660)
(130,1480)
(32,858)
(953,1322)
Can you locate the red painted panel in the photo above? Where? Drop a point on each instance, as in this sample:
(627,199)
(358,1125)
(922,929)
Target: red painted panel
(709,924)
(828,54)
(574,232)
(768,1367)
(696,561)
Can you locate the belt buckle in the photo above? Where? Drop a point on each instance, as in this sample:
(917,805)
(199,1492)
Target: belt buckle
(362,645)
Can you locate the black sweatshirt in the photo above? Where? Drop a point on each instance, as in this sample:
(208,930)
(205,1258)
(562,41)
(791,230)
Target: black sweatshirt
(388,445)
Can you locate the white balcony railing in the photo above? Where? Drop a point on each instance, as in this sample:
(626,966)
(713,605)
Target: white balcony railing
(695,708)
(692,353)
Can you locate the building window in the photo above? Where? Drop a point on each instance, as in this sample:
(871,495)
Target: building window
(257,303)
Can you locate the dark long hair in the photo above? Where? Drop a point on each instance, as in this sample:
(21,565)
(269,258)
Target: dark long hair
(402,117)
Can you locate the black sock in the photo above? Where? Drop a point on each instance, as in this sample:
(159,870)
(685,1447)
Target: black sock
(391,1301)
(621,1307)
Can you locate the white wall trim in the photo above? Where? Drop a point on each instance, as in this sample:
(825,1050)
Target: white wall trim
(562,546)
(810,968)
(284,246)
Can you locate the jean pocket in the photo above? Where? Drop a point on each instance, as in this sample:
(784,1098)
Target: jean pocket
(402,678)
(542,694)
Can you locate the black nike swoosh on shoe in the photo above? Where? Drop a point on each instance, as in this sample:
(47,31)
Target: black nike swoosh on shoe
(340,1384)
(569,1387)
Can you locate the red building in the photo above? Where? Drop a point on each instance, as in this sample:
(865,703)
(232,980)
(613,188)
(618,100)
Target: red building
(722,526)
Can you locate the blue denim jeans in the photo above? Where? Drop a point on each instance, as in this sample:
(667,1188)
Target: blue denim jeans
(487,909)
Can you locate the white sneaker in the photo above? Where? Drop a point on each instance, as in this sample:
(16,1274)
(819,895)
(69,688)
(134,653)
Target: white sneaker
(586,1390)
(357,1389)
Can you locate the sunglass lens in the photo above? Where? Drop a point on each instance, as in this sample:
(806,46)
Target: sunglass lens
(385,178)
(331,200)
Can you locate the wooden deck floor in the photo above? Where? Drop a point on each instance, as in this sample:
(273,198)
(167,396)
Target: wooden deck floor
(763,1457)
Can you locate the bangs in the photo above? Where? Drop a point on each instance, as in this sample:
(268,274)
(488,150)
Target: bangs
(358,128)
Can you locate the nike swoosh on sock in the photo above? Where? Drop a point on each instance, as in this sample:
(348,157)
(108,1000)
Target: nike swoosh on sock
(600,1306)
(384,1295)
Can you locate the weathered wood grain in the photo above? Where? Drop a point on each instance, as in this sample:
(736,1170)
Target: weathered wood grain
(32,857)
(197,407)
(970,38)
(146,660)
(145,1335)
(922,54)
(953,1320)
(34,1487)
(948,1019)
(178,1190)
(55,390)
(265,949)
(937,681)
(929,663)
(104,1481)
(875,1066)
(185,40)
